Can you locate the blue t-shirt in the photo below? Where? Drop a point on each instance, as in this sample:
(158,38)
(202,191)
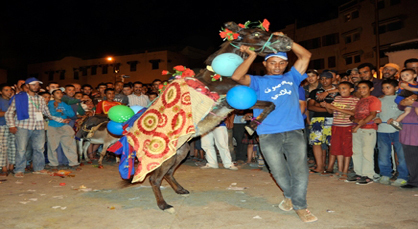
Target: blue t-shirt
(67,112)
(4,105)
(302,98)
(283,91)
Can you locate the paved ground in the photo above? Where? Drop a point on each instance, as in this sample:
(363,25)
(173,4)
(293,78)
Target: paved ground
(219,198)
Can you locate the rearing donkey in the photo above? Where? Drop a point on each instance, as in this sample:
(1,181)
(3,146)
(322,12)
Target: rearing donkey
(263,43)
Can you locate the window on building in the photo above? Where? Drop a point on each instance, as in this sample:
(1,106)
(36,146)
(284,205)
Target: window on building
(394,2)
(50,75)
(104,69)
(84,71)
(317,64)
(356,37)
(348,60)
(132,65)
(381,4)
(62,75)
(76,75)
(94,70)
(155,64)
(389,26)
(347,39)
(357,59)
(351,15)
(332,62)
(311,43)
(354,57)
(330,39)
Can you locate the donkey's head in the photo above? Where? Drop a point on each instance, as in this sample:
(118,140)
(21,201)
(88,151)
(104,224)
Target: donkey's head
(258,37)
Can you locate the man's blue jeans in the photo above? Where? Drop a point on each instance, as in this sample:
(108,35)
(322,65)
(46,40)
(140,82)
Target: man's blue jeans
(384,143)
(286,156)
(37,139)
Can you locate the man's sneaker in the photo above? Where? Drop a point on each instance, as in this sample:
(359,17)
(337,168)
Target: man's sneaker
(385,180)
(286,204)
(233,167)
(364,181)
(306,216)
(207,166)
(396,124)
(354,178)
(399,182)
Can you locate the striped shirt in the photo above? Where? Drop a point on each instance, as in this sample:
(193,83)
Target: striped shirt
(36,104)
(346,103)
(141,100)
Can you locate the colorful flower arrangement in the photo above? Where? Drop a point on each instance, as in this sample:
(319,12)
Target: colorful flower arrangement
(180,71)
(227,34)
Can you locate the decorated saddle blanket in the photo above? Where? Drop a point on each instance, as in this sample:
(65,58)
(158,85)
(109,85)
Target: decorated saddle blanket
(166,125)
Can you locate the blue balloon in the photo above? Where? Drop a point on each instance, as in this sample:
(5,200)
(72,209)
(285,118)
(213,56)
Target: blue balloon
(241,97)
(136,108)
(115,128)
(226,63)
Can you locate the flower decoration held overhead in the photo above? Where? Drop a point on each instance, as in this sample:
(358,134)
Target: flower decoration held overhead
(227,34)
(180,71)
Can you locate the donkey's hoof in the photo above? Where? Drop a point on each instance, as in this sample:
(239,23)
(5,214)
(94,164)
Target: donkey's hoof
(183,192)
(170,210)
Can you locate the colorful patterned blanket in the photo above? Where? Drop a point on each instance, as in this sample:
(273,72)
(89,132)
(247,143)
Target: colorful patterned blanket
(166,125)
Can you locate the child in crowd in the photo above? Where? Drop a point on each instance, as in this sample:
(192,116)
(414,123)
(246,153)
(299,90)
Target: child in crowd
(47,97)
(250,140)
(60,133)
(7,139)
(388,136)
(364,134)
(152,96)
(341,142)
(408,86)
(104,106)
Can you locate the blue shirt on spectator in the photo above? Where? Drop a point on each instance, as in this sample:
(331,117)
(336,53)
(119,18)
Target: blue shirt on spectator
(66,109)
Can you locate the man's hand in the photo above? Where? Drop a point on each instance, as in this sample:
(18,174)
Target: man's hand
(13,130)
(66,121)
(247,49)
(389,121)
(321,96)
(378,121)
(408,101)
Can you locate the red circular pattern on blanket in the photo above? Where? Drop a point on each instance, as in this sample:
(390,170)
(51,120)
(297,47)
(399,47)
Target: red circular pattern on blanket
(134,138)
(149,121)
(178,122)
(185,99)
(162,121)
(152,165)
(171,95)
(157,147)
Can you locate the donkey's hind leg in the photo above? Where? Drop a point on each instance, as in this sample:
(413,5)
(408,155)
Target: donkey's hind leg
(169,177)
(160,173)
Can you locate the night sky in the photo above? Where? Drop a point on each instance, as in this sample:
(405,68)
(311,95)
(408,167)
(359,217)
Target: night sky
(37,31)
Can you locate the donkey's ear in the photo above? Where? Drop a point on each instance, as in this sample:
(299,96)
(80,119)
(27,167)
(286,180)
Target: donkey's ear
(232,26)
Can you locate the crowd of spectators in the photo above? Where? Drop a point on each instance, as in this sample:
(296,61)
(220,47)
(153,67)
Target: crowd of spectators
(355,124)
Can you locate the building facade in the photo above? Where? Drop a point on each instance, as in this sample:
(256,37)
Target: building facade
(350,39)
(144,67)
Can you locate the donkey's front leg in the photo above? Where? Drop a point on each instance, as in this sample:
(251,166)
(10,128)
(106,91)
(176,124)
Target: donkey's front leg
(267,107)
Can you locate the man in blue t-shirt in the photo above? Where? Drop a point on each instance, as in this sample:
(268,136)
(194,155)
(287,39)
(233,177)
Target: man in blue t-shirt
(281,133)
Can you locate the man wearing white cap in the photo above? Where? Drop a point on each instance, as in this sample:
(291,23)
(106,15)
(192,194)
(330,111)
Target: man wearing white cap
(390,71)
(25,120)
(281,133)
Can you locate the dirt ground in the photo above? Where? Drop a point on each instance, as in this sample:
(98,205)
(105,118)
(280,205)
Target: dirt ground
(219,198)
